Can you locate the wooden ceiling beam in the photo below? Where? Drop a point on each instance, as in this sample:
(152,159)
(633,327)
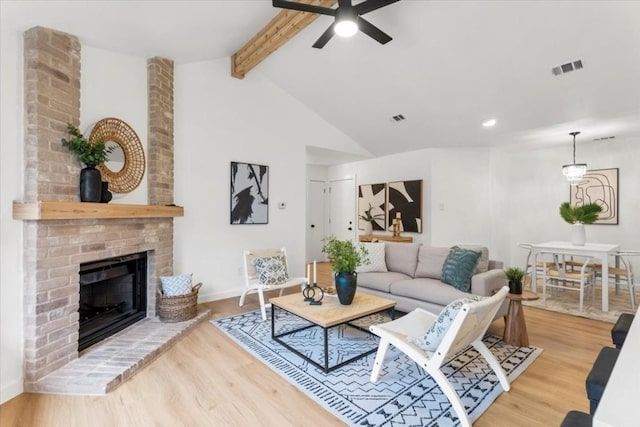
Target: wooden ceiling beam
(282,28)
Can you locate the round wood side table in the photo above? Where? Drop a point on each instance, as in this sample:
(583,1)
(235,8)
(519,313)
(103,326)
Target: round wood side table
(515,328)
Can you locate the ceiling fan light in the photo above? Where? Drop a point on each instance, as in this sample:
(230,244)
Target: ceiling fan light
(346,28)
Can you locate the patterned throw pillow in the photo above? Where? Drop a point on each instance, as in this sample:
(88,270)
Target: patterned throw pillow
(433,337)
(459,267)
(176,285)
(376,258)
(271,270)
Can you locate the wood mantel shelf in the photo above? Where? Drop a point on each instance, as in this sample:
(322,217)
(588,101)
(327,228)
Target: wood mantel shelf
(52,210)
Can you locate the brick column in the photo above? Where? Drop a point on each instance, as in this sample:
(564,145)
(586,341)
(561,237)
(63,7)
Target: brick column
(160,148)
(51,99)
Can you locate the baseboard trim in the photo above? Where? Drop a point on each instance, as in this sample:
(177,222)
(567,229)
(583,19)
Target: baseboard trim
(12,389)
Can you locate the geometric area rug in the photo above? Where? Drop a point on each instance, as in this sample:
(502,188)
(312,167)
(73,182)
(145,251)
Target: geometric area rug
(404,394)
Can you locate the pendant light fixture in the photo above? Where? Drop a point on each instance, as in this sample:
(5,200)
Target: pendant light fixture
(575,171)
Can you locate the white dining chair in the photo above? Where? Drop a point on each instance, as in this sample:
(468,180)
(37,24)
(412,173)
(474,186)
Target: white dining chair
(558,276)
(622,274)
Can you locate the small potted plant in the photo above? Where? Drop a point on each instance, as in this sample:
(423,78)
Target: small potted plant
(578,216)
(345,257)
(515,276)
(91,155)
(370,219)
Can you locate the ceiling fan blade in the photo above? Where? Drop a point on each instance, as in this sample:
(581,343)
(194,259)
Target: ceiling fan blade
(325,37)
(371,5)
(302,7)
(372,31)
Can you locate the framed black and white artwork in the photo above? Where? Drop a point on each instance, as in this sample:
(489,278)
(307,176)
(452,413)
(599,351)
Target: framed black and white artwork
(372,199)
(598,186)
(249,193)
(405,203)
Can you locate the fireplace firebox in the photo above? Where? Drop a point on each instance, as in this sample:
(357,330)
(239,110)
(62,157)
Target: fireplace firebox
(113,295)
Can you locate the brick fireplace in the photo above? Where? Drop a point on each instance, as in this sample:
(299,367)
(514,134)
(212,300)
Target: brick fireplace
(54,249)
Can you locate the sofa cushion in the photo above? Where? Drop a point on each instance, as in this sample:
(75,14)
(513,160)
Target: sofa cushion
(459,267)
(376,256)
(423,289)
(430,261)
(380,281)
(434,335)
(402,257)
(483,262)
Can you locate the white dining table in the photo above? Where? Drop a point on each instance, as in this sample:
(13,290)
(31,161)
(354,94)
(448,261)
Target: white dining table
(601,251)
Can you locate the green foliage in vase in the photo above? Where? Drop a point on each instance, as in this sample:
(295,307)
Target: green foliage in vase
(583,214)
(344,255)
(87,153)
(514,274)
(367,216)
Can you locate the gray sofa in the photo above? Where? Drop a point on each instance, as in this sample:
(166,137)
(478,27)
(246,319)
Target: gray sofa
(414,273)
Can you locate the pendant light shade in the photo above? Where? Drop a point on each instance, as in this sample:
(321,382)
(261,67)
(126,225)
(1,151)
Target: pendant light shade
(575,171)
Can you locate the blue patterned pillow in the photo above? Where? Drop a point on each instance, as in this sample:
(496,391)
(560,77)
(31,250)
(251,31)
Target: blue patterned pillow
(459,267)
(271,270)
(176,285)
(433,337)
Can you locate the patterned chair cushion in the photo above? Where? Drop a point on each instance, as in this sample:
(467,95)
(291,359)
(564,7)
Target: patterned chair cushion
(459,267)
(433,337)
(271,270)
(376,258)
(176,285)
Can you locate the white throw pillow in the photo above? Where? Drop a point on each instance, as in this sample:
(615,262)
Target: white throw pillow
(433,337)
(176,285)
(376,257)
(271,270)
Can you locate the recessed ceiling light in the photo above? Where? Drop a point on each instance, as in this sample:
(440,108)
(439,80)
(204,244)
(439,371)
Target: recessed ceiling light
(489,123)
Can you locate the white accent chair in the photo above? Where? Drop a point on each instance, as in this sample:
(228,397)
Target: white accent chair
(252,281)
(468,328)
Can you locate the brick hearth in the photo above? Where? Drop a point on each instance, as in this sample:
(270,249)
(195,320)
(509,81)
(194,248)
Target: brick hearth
(53,250)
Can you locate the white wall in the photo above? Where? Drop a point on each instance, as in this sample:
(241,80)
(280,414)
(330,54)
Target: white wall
(456,196)
(11,136)
(501,198)
(219,119)
(115,85)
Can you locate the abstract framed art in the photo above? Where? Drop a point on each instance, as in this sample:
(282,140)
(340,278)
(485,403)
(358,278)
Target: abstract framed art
(598,186)
(374,196)
(405,202)
(249,193)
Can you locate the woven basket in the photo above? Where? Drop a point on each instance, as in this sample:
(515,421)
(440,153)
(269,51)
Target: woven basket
(180,307)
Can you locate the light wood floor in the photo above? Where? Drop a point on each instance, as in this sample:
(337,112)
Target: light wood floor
(207,380)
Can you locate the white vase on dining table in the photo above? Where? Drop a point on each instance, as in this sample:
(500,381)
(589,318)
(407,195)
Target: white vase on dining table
(578,234)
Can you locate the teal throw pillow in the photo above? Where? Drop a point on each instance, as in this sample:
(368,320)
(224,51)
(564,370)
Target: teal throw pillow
(271,270)
(459,267)
(176,285)
(434,335)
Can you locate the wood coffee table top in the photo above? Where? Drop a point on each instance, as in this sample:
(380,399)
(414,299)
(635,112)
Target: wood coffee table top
(331,312)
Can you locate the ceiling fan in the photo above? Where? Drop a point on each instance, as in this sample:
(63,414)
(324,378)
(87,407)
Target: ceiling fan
(348,18)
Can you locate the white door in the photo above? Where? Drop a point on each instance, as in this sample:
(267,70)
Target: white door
(342,202)
(315,219)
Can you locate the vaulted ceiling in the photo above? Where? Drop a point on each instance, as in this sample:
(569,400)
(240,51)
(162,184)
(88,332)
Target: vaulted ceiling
(450,66)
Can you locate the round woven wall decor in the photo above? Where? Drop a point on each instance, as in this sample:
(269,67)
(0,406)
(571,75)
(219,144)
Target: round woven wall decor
(130,176)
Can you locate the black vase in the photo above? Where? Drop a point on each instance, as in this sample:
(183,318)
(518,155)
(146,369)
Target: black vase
(346,284)
(515,287)
(90,185)
(106,195)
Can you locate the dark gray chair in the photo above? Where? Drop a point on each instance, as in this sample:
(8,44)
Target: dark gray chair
(576,419)
(621,328)
(599,375)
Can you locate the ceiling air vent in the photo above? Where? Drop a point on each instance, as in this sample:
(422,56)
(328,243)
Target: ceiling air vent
(397,118)
(565,68)
(605,138)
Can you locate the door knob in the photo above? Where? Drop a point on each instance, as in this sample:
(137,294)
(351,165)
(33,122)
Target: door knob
(313,226)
